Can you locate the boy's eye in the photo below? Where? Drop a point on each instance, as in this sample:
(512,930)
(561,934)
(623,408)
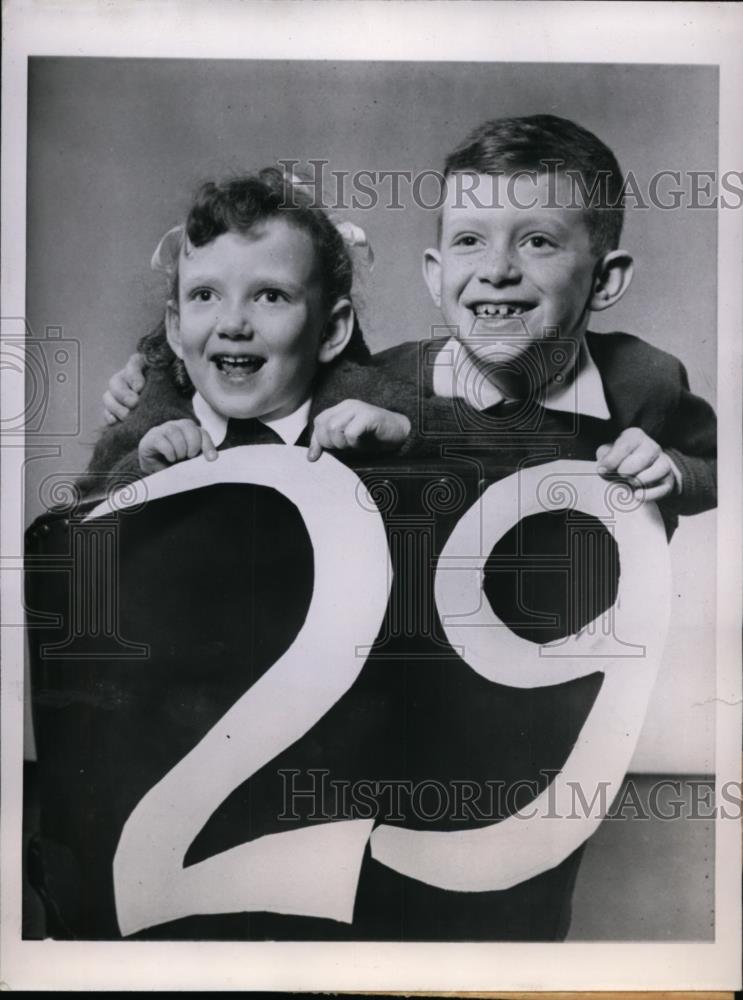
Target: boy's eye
(271,296)
(540,242)
(466,240)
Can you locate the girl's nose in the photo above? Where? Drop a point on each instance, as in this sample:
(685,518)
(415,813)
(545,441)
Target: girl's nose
(233,321)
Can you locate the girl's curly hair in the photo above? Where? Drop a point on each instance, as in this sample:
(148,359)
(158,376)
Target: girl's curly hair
(237,205)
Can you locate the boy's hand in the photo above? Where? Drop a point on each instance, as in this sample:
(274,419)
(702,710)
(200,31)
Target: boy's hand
(642,462)
(172,442)
(123,390)
(356,425)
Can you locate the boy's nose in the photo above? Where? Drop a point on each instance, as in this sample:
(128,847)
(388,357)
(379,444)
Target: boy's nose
(499,266)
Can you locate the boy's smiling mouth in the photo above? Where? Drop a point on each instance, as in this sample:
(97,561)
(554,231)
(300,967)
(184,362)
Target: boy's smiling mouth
(499,310)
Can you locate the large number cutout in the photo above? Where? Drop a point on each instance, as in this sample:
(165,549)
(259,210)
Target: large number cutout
(625,645)
(312,871)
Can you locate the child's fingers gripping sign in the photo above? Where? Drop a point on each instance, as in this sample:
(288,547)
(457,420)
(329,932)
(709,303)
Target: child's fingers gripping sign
(353,424)
(638,458)
(331,428)
(174,441)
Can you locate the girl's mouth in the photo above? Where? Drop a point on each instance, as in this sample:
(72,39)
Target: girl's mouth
(238,365)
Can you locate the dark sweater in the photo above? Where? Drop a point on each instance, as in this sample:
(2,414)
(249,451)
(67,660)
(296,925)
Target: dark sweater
(644,387)
(115,458)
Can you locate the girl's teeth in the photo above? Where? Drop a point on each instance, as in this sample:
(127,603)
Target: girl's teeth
(230,363)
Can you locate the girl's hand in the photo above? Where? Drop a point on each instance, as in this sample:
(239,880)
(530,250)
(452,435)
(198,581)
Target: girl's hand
(123,390)
(356,425)
(642,462)
(172,442)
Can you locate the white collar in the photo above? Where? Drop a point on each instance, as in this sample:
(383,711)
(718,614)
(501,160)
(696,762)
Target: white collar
(289,428)
(583,394)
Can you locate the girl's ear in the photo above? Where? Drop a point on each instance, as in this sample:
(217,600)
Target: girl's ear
(337,332)
(611,279)
(432,273)
(173,328)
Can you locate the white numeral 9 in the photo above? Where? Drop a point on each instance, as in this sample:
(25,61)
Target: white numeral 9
(540,836)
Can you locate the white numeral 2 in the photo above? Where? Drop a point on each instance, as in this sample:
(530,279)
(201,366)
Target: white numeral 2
(312,871)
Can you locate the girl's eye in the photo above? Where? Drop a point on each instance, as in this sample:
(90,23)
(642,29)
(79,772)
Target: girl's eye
(202,295)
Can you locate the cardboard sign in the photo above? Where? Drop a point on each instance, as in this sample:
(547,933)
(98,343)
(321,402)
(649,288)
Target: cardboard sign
(276,699)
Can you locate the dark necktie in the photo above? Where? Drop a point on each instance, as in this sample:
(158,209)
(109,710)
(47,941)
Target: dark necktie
(506,408)
(517,415)
(251,431)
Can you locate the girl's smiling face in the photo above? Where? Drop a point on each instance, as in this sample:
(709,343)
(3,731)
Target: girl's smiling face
(514,272)
(250,324)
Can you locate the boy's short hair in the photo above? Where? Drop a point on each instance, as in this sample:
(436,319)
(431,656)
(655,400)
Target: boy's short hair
(542,143)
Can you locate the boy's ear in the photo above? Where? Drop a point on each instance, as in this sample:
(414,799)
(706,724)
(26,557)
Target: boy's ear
(432,273)
(337,331)
(173,328)
(611,279)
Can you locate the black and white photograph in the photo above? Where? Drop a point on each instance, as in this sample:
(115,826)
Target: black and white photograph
(370,585)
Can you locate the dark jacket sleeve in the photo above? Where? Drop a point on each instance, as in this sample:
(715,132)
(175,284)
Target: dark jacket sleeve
(115,459)
(649,388)
(645,387)
(690,440)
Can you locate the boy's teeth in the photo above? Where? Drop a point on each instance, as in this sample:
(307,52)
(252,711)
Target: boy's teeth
(499,311)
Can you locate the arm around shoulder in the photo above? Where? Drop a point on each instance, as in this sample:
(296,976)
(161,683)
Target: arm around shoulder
(115,455)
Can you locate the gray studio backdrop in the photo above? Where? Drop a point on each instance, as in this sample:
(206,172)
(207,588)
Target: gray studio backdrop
(116,147)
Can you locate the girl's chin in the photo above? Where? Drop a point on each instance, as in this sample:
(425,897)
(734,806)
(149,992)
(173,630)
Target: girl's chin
(232,393)
(233,405)
(239,410)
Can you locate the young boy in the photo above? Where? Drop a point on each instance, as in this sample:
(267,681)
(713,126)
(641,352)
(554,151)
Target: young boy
(528,249)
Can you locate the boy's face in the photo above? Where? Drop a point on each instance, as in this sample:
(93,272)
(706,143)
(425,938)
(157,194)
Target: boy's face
(513,273)
(250,320)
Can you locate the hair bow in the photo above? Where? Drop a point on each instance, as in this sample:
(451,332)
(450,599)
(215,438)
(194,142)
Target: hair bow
(166,252)
(353,236)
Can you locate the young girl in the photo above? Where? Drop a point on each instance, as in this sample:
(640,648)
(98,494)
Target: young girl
(259,326)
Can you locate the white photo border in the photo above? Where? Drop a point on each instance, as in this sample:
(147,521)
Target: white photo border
(516,32)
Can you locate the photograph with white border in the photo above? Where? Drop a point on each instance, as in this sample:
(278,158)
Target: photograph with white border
(408,791)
